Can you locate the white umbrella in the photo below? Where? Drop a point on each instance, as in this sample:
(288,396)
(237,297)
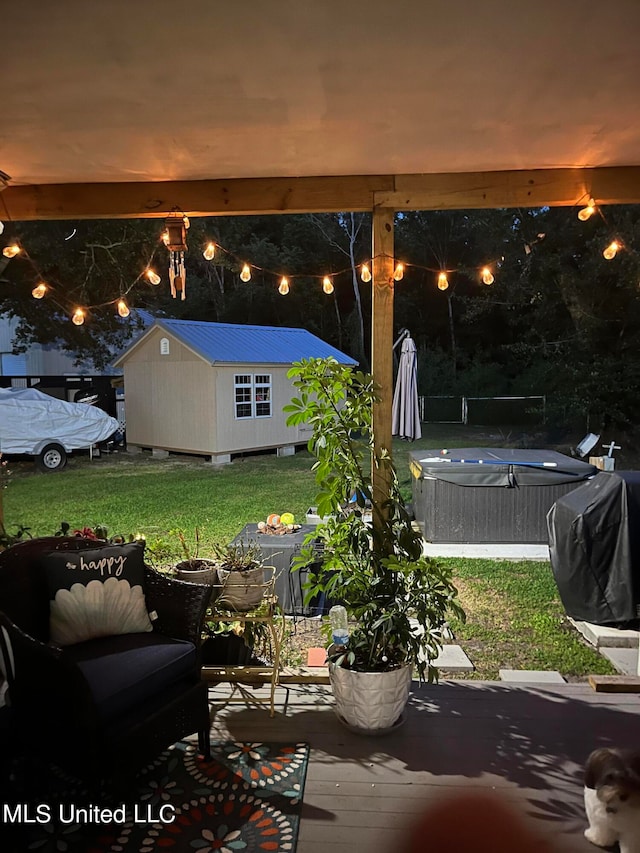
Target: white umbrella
(406,412)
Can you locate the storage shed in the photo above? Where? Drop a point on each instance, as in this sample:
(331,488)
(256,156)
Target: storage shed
(215,389)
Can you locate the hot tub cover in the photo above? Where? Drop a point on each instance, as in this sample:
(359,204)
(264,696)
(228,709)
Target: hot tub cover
(499,467)
(594,547)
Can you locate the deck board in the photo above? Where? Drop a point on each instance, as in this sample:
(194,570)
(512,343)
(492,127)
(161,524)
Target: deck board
(528,742)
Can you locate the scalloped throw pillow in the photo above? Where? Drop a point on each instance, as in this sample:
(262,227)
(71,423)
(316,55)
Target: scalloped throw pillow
(96,593)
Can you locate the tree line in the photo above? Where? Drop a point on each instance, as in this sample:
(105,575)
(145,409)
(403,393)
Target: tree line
(559,319)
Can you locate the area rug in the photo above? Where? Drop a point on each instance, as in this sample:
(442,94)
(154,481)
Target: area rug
(248,798)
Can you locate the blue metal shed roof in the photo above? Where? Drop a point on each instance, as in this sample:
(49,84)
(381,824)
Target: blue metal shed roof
(227,342)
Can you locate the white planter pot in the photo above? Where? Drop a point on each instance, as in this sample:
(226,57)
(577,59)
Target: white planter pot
(370,701)
(241,591)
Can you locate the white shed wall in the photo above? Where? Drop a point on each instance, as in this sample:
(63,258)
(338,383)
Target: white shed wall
(235,435)
(170,398)
(180,402)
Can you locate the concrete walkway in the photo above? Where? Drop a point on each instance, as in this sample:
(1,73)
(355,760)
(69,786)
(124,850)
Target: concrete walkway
(617,645)
(489,551)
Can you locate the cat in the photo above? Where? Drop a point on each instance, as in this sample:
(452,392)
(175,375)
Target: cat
(612,798)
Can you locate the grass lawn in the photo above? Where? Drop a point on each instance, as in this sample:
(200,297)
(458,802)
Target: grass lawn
(515,619)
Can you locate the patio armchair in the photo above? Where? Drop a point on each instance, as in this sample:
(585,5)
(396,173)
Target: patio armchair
(103,707)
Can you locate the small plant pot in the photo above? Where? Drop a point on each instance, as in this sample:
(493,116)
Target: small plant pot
(370,702)
(197,571)
(226,650)
(241,590)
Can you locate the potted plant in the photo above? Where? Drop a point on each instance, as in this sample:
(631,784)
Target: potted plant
(239,625)
(397,598)
(241,576)
(193,567)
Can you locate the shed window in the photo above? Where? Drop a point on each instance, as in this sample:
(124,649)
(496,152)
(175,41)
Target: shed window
(252,395)
(164,346)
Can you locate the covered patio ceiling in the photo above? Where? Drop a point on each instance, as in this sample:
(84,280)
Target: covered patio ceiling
(290,105)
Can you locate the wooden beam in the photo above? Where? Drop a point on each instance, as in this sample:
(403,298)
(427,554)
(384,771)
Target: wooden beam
(615,683)
(242,196)
(536,188)
(382,344)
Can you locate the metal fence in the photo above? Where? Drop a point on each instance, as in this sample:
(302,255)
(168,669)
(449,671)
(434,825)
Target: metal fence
(483,411)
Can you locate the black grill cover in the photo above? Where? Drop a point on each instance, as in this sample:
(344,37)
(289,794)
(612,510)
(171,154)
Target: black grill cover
(594,546)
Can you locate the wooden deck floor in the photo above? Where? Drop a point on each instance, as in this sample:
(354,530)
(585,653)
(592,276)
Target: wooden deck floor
(526,741)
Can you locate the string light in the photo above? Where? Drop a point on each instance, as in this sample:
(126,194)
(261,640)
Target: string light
(611,250)
(1,227)
(212,249)
(588,211)
(123,308)
(443,281)
(487,276)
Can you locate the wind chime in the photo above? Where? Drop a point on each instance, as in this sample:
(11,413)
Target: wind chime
(176,242)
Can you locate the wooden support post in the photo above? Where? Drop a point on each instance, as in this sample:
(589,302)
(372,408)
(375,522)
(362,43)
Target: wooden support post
(382,344)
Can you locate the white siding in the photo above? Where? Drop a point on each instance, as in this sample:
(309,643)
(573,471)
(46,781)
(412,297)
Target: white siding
(170,398)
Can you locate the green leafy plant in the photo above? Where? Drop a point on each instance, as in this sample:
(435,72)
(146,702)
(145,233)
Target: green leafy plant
(189,550)
(8,539)
(373,562)
(239,557)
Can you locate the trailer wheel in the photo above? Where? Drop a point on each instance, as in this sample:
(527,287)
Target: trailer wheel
(52,457)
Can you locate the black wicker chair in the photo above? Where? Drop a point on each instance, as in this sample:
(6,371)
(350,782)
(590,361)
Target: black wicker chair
(57,713)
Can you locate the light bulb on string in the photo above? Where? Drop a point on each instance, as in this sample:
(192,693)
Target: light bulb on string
(487,276)
(78,317)
(39,290)
(443,282)
(153,276)
(327,285)
(123,308)
(209,252)
(588,211)
(165,237)
(245,275)
(398,272)
(1,227)
(185,219)
(284,286)
(365,273)
(611,250)
(11,250)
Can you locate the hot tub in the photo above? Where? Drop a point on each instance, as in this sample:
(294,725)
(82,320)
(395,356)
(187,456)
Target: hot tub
(489,494)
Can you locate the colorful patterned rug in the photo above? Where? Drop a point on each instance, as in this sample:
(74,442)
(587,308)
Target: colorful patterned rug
(247,799)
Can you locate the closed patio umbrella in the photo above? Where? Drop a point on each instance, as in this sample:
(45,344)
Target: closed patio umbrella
(406,413)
